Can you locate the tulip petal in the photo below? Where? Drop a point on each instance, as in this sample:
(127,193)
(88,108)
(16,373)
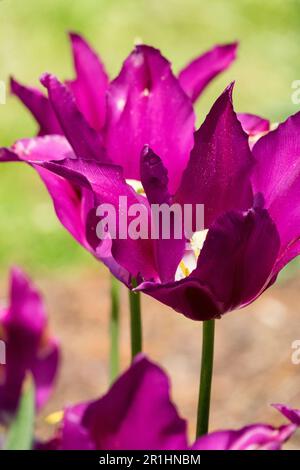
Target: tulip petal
(200,72)
(39,106)
(218,171)
(154,178)
(291,414)
(252,124)
(137,413)
(146,106)
(253,437)
(277,177)
(234,267)
(108,185)
(86,142)
(90,85)
(28,348)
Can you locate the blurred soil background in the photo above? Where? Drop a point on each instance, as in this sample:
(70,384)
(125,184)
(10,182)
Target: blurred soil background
(253,365)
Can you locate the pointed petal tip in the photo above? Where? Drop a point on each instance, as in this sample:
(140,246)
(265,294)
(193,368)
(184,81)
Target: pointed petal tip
(47,79)
(76,38)
(15,86)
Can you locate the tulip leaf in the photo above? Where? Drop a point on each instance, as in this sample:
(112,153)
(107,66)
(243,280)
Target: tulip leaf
(20,434)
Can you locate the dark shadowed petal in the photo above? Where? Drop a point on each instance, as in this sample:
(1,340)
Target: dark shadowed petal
(253,124)
(39,106)
(291,414)
(253,437)
(90,85)
(28,347)
(233,268)
(277,178)
(199,73)
(146,106)
(137,413)
(86,142)
(218,172)
(154,178)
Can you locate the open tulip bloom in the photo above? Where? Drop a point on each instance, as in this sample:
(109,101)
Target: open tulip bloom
(28,346)
(129,146)
(137,414)
(250,198)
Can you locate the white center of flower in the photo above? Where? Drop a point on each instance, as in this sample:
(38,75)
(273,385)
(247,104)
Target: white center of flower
(190,257)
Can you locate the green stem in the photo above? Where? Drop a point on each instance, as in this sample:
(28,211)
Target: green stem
(205,377)
(114,328)
(135,322)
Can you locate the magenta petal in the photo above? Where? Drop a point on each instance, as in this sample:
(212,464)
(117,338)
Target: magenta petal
(277,178)
(73,436)
(291,414)
(220,164)
(253,124)
(67,199)
(28,348)
(146,106)
(199,73)
(154,177)
(67,202)
(50,147)
(86,142)
(90,85)
(253,437)
(137,413)
(228,274)
(39,106)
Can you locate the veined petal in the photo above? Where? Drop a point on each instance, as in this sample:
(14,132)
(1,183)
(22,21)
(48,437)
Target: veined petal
(146,106)
(90,85)
(201,71)
(39,106)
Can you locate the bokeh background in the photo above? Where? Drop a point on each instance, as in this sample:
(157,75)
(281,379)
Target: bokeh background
(253,353)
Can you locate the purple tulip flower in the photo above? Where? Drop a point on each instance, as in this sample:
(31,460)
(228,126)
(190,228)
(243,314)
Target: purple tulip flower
(137,414)
(28,346)
(250,197)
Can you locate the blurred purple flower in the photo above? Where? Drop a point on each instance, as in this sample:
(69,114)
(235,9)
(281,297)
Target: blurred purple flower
(137,414)
(251,200)
(28,346)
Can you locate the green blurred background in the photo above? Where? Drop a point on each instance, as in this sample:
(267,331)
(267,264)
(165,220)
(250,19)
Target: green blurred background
(33,40)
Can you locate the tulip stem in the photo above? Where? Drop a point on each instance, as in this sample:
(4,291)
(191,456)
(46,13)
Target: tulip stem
(135,322)
(205,377)
(114,328)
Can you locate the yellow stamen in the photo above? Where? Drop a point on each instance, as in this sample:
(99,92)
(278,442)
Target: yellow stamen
(54,418)
(184,269)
